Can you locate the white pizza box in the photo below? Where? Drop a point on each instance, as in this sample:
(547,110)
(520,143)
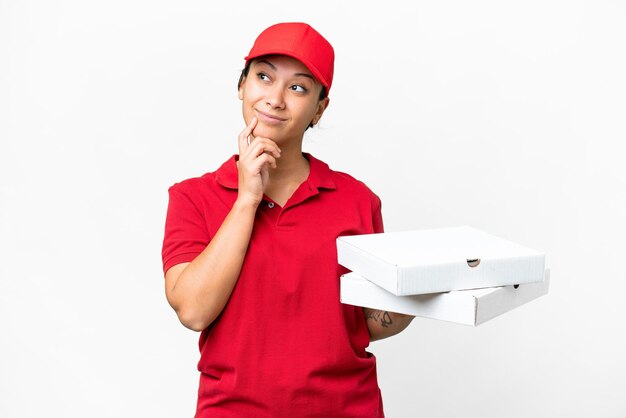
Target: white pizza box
(439,260)
(468,307)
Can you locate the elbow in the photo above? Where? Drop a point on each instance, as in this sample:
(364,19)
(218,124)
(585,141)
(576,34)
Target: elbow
(189,314)
(386,324)
(193,313)
(194,326)
(193,321)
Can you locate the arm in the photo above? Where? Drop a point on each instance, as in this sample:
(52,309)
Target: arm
(198,291)
(383,324)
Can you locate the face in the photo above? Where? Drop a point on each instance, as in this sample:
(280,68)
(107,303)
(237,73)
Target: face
(283,95)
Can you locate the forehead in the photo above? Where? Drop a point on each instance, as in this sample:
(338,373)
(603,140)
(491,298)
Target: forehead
(283,63)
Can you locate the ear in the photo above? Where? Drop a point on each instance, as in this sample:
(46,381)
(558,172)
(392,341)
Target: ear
(321,107)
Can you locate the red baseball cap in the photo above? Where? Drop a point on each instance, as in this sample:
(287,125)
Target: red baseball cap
(302,42)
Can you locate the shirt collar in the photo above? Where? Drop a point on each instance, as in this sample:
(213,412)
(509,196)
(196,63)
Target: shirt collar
(319,174)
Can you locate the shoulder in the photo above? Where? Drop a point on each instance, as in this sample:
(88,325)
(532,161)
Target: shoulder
(346,180)
(193,185)
(357,188)
(208,182)
(345,183)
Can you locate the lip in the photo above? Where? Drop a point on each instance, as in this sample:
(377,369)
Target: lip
(267,118)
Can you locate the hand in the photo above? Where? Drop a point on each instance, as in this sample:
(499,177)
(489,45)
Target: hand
(255,159)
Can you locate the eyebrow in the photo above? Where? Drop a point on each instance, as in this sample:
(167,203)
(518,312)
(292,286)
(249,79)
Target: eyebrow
(296,74)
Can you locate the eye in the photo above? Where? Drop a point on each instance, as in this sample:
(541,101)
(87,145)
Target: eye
(298,88)
(263,76)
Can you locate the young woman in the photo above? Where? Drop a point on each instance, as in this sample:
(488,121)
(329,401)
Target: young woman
(250,259)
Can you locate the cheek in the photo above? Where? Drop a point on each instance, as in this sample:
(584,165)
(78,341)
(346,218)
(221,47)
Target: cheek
(307,114)
(249,93)
(247,103)
(264,131)
(247,113)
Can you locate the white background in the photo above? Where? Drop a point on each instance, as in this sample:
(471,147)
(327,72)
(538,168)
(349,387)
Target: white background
(507,116)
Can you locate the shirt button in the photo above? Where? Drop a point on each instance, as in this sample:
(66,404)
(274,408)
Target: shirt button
(270,205)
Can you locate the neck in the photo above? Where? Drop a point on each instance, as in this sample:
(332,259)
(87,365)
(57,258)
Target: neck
(291,166)
(291,171)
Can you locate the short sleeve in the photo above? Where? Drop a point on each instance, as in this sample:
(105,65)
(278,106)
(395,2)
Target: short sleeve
(186,233)
(377,216)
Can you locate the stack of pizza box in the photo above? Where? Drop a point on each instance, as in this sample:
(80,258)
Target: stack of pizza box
(458,274)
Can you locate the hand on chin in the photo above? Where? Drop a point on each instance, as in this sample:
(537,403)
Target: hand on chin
(263,131)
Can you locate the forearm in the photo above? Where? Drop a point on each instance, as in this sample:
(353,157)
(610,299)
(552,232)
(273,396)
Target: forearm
(383,324)
(203,288)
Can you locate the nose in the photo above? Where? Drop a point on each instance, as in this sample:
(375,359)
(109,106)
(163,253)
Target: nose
(275,96)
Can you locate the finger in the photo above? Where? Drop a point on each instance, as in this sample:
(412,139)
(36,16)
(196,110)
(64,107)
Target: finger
(256,166)
(256,161)
(243,136)
(263,145)
(265,159)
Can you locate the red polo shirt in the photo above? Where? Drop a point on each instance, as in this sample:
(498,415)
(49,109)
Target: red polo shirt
(284,346)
